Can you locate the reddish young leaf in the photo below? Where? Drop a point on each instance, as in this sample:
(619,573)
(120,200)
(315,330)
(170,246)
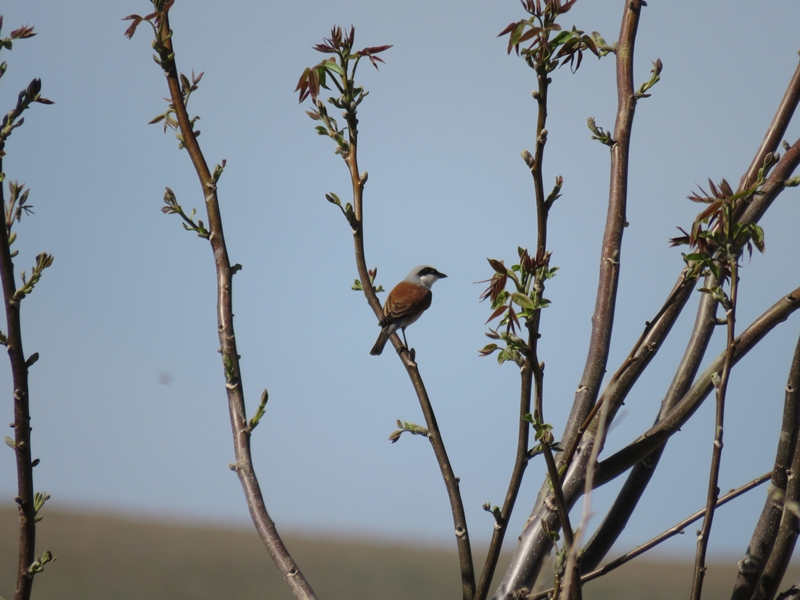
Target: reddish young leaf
(698,198)
(132,29)
(527,5)
(324,48)
(369,52)
(533,31)
(498,266)
(512,320)
(712,209)
(566,6)
(302,84)
(313,83)
(497,313)
(496,286)
(372,59)
(23,32)
(375,49)
(508,29)
(714,189)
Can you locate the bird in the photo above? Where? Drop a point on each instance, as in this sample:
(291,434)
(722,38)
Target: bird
(406,303)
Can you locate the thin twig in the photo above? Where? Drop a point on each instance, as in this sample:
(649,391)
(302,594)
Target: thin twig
(777,129)
(655,437)
(762,542)
(781,546)
(358,180)
(27,563)
(532,370)
(605,303)
(672,531)
(230,357)
(716,454)
(639,477)
(627,499)
(574,563)
(534,541)
(643,351)
(22,416)
(520,463)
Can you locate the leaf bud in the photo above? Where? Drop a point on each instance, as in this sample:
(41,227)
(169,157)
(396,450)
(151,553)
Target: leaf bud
(528,158)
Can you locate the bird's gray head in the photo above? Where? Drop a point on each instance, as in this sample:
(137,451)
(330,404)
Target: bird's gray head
(424,275)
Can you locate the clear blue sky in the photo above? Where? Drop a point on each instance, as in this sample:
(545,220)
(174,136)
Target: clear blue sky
(128,401)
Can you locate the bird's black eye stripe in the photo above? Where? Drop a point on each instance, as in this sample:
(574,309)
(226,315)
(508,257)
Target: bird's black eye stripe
(427,271)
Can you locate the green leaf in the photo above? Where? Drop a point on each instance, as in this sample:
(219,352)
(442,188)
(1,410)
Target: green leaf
(697,257)
(488,349)
(513,40)
(758,236)
(332,65)
(523,301)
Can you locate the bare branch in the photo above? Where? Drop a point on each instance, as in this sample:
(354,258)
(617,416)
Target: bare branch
(721,384)
(762,542)
(605,303)
(22,416)
(777,129)
(657,435)
(340,45)
(671,532)
(520,464)
(525,564)
(780,551)
(241,429)
(628,497)
(532,371)
(28,501)
(638,479)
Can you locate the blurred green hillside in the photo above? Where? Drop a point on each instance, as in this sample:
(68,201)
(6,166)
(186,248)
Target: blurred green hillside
(110,557)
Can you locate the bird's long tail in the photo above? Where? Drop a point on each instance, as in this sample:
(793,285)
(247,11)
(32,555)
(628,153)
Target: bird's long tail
(378,347)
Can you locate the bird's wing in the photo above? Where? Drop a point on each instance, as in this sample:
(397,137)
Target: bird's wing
(405,300)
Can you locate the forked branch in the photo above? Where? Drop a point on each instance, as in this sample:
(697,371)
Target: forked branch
(662,537)
(762,545)
(638,479)
(535,541)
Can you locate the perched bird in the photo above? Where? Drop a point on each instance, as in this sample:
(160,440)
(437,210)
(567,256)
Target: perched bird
(406,303)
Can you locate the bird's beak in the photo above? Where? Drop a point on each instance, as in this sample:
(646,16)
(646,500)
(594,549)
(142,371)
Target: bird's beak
(442,276)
